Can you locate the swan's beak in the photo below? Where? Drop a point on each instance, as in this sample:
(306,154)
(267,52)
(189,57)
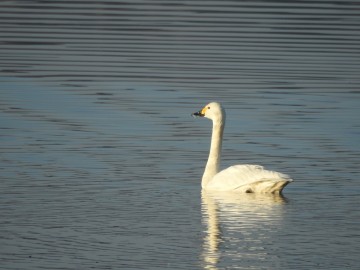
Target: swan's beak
(198,114)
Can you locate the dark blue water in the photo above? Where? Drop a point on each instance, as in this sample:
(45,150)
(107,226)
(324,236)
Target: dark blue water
(100,161)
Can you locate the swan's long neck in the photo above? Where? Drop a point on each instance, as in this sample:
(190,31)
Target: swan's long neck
(213,163)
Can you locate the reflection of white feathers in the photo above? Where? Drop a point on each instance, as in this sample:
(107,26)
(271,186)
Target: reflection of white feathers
(241,178)
(212,238)
(240,225)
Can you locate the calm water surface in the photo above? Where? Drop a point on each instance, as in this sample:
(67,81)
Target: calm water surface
(100,161)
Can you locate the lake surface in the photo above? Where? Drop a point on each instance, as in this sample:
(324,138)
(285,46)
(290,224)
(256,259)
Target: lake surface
(100,161)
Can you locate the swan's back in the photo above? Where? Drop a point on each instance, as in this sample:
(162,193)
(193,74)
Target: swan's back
(248,178)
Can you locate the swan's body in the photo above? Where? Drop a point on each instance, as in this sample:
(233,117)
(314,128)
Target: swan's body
(243,178)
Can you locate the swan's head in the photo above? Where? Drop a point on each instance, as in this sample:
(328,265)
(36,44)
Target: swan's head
(213,111)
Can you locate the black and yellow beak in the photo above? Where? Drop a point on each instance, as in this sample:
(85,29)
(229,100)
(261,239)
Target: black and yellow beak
(200,113)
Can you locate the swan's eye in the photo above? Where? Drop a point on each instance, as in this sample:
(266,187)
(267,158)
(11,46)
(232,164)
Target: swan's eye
(208,107)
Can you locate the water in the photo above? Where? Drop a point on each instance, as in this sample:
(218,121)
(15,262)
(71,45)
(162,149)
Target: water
(100,161)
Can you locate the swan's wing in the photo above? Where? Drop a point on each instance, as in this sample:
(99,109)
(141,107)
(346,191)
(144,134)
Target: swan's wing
(237,176)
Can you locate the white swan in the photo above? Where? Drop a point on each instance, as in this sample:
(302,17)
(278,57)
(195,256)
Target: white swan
(242,178)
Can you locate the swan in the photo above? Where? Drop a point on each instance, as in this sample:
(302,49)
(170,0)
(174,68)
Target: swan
(241,178)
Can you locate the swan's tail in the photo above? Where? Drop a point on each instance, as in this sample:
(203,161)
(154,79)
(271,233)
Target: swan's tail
(265,186)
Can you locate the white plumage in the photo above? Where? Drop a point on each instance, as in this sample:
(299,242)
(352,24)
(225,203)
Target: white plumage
(241,178)
(248,178)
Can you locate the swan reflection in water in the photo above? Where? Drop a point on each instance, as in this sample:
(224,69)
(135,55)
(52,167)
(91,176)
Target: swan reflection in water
(239,228)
